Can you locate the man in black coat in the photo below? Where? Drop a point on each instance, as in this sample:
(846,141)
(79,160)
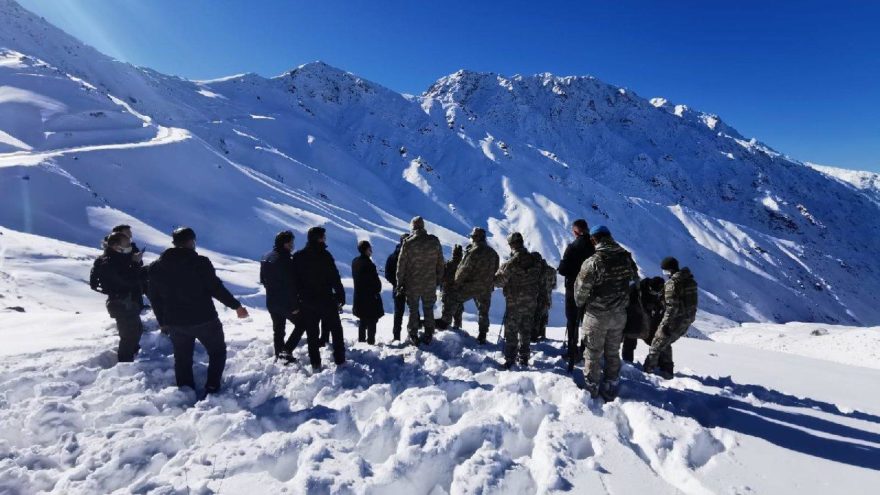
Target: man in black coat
(182,285)
(116,273)
(321,295)
(367,293)
(391,277)
(282,298)
(569,266)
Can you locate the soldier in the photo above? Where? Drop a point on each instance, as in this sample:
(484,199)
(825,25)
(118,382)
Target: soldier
(520,277)
(569,266)
(474,279)
(391,277)
(643,315)
(447,285)
(680,310)
(545,298)
(116,273)
(419,270)
(602,291)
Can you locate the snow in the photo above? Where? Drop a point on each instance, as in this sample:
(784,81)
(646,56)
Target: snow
(445,419)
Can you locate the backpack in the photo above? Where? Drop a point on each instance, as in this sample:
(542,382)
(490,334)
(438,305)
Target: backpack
(95,274)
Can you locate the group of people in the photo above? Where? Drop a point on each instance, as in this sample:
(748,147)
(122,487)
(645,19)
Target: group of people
(607,304)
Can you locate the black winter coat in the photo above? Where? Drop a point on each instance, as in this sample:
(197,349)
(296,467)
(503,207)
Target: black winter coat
(367,289)
(117,275)
(277,276)
(316,277)
(573,257)
(391,266)
(182,284)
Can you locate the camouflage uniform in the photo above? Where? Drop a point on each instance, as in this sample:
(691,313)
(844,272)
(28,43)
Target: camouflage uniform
(680,301)
(602,291)
(419,270)
(545,298)
(520,278)
(474,279)
(447,285)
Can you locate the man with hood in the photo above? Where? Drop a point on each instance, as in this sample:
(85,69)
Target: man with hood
(182,286)
(602,291)
(419,271)
(474,279)
(680,310)
(520,278)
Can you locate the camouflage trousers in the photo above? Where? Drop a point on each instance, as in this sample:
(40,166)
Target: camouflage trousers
(456,306)
(660,353)
(426,301)
(447,300)
(518,332)
(602,334)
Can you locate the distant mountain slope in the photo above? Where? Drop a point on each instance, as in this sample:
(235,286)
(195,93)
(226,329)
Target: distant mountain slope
(86,141)
(866,182)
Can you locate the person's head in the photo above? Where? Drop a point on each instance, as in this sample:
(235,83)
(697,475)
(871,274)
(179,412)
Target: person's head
(515,241)
(125,229)
(417,223)
(669,265)
(579,227)
(653,286)
(599,234)
(284,240)
(478,235)
(184,237)
(457,252)
(119,242)
(317,235)
(365,248)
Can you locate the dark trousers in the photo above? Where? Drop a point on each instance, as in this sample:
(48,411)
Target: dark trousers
(210,334)
(130,329)
(399,308)
(572,319)
(367,331)
(279,323)
(629,348)
(328,319)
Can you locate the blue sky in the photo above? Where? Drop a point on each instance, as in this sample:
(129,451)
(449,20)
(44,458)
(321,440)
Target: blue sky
(800,75)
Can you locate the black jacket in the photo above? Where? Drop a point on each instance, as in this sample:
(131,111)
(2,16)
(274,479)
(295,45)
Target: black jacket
(367,289)
(316,277)
(391,266)
(182,284)
(117,275)
(574,256)
(277,276)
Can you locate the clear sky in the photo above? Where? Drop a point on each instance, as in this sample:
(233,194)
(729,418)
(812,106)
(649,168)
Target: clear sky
(801,75)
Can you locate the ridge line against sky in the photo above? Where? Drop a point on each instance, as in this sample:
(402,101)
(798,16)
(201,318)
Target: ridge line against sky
(801,77)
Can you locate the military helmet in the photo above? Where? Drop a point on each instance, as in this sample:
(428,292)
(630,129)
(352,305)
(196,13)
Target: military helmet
(515,239)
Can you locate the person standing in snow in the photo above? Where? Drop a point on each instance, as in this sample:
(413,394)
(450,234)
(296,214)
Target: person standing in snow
(116,273)
(182,286)
(367,305)
(602,290)
(137,255)
(680,310)
(391,277)
(520,279)
(643,315)
(569,266)
(545,298)
(448,288)
(419,270)
(321,295)
(474,279)
(282,297)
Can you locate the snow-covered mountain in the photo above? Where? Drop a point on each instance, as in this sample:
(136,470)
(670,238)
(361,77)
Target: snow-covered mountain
(87,142)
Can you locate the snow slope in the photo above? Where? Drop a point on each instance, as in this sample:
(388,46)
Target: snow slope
(86,141)
(866,182)
(736,419)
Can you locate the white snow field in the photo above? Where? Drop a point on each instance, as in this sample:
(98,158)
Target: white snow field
(737,418)
(760,404)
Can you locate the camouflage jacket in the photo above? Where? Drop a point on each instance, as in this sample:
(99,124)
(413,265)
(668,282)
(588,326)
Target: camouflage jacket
(547,283)
(420,265)
(603,283)
(680,297)
(520,277)
(476,273)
